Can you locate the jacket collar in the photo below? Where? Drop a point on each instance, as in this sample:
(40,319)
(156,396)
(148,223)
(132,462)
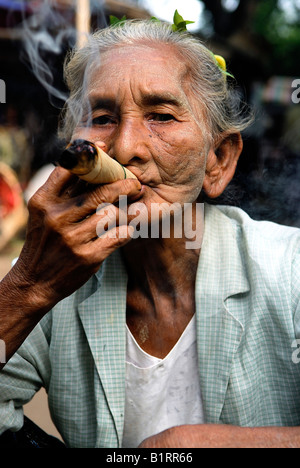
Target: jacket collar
(103,316)
(221,264)
(221,276)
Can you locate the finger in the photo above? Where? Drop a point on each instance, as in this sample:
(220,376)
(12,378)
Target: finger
(110,193)
(88,202)
(96,251)
(112,240)
(99,223)
(119,233)
(108,218)
(58,180)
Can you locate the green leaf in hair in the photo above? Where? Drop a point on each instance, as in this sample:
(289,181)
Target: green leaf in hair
(179,24)
(114,21)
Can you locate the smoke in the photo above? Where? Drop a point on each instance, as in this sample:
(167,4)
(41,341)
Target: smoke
(45,37)
(48,33)
(44,32)
(41,48)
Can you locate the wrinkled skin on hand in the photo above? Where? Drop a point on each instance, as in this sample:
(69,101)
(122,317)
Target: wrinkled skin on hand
(62,249)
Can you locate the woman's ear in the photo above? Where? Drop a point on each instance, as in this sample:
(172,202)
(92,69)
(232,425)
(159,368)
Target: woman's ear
(221,164)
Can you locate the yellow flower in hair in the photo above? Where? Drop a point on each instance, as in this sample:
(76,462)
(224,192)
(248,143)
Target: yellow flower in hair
(222,62)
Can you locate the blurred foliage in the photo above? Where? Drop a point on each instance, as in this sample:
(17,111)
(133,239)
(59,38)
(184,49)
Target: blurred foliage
(272,24)
(281,29)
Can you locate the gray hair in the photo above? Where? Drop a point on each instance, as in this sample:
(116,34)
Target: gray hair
(219,101)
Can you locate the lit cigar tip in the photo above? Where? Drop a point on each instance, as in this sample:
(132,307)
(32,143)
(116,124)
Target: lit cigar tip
(78,154)
(68,160)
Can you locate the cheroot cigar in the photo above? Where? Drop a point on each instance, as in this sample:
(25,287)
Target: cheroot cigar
(92,164)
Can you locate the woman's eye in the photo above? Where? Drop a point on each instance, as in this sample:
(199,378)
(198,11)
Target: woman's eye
(103,120)
(161,117)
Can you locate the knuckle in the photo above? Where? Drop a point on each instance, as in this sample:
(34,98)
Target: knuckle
(111,192)
(105,193)
(68,238)
(98,196)
(86,257)
(131,184)
(119,242)
(54,220)
(35,202)
(50,221)
(128,185)
(89,258)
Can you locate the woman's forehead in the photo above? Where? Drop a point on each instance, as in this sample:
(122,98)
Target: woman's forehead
(156,70)
(137,51)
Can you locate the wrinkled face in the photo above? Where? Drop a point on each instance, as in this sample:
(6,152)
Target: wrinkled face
(140,104)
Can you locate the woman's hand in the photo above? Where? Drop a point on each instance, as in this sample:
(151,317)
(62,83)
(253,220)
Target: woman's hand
(62,249)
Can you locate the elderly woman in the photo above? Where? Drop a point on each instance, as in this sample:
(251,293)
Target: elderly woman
(142,341)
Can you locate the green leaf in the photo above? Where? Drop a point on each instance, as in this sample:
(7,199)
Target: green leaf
(189,22)
(228,74)
(182,26)
(177,18)
(179,24)
(113,20)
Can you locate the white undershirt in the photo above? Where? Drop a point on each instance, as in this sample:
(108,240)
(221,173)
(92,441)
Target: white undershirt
(161,393)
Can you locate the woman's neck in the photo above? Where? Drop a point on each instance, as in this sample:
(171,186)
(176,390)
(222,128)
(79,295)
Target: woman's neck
(162,266)
(167,264)
(160,292)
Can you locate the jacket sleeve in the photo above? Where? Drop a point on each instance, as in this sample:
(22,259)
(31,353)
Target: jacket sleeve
(25,373)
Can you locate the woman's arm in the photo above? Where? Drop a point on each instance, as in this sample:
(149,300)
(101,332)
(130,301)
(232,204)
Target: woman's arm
(225,436)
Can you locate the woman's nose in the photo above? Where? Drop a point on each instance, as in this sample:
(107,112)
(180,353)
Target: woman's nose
(130,143)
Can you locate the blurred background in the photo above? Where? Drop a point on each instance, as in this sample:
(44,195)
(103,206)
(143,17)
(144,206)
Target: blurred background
(260,41)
